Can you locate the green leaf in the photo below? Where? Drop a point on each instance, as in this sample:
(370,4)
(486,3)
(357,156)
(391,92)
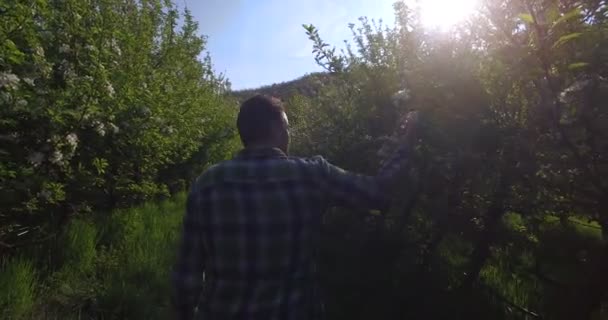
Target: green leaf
(553,12)
(15,55)
(526,17)
(577,65)
(563,39)
(574,13)
(309,28)
(100,165)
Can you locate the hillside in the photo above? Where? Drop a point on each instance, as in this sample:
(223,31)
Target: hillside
(309,85)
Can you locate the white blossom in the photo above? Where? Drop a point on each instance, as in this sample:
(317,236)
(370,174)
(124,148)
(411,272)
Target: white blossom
(72,140)
(57,157)
(66,68)
(9,80)
(39,51)
(88,78)
(29,81)
(168,130)
(100,128)
(90,47)
(64,48)
(113,128)
(21,103)
(567,94)
(401,96)
(46,69)
(114,45)
(110,89)
(69,74)
(36,158)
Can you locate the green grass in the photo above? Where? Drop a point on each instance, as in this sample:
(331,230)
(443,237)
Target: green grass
(139,261)
(17,280)
(115,266)
(581,225)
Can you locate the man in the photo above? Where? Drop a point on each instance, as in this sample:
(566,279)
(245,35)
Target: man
(251,229)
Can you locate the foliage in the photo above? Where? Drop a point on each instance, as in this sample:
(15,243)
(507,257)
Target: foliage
(115,267)
(309,85)
(104,104)
(501,214)
(513,136)
(17,280)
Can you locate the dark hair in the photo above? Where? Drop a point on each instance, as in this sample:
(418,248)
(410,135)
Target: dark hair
(258,116)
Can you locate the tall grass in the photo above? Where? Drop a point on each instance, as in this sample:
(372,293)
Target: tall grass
(115,266)
(17,293)
(139,259)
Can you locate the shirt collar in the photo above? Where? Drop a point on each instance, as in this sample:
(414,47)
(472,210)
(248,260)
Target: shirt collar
(260,153)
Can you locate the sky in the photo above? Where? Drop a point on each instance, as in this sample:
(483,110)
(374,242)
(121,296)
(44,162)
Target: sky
(260,42)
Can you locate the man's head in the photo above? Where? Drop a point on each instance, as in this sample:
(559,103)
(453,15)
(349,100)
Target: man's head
(262,122)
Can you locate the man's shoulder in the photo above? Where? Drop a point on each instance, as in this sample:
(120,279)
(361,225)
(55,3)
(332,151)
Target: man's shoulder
(210,174)
(318,164)
(235,169)
(307,168)
(313,160)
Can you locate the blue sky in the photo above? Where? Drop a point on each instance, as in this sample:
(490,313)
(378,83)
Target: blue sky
(260,42)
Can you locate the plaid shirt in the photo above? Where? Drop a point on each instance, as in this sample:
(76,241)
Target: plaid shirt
(251,232)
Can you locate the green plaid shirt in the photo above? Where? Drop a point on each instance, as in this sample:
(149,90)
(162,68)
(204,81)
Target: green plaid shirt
(251,233)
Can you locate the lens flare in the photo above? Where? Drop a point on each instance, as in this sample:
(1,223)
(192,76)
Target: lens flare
(443,14)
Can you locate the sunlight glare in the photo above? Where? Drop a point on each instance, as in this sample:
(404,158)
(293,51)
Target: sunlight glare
(443,14)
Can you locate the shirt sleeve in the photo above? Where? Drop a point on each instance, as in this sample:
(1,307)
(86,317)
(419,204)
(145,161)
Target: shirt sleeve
(188,272)
(344,188)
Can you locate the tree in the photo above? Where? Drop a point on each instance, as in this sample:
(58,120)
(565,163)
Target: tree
(514,138)
(102,102)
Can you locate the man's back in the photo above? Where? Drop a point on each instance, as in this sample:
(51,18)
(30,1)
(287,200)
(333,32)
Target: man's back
(260,216)
(252,224)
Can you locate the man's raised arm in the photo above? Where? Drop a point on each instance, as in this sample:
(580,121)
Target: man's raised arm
(359,191)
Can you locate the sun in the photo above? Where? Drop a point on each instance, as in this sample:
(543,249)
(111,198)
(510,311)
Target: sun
(443,14)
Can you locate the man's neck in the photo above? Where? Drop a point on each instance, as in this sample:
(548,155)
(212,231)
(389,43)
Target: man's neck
(261,152)
(262,146)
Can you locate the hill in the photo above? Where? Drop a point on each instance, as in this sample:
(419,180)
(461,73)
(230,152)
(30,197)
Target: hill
(308,85)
